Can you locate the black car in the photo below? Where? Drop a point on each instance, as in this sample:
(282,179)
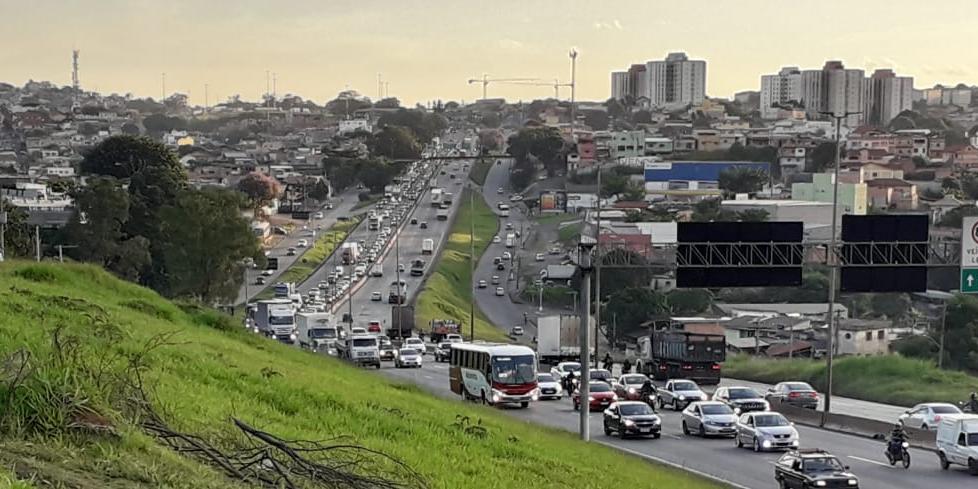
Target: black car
(443,351)
(632,418)
(798,394)
(500,266)
(424,224)
(414,220)
(741,399)
(812,468)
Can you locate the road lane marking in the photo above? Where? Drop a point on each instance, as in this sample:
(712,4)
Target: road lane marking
(700,473)
(874,462)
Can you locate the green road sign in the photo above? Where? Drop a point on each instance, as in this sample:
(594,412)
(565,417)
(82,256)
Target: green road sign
(969,280)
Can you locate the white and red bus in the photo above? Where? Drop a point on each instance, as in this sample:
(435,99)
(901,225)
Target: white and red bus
(494,373)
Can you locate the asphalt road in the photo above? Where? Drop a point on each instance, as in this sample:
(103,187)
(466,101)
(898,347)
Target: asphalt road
(719,457)
(841,405)
(342,206)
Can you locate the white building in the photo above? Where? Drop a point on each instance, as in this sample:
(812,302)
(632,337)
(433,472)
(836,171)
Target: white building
(781,89)
(352,125)
(677,81)
(887,95)
(844,91)
(620,85)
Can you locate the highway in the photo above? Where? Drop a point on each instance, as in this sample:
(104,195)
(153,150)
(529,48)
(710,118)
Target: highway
(718,457)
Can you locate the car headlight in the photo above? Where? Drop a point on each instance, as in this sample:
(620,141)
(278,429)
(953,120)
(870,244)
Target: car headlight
(590,398)
(737,410)
(558,388)
(820,483)
(766,444)
(853,482)
(293,337)
(629,422)
(631,390)
(794,443)
(767,405)
(682,398)
(614,397)
(656,421)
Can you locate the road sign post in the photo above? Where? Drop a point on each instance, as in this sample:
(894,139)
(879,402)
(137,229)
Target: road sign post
(969,255)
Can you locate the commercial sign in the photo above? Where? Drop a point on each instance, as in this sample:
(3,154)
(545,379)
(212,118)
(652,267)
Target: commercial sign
(969,255)
(553,201)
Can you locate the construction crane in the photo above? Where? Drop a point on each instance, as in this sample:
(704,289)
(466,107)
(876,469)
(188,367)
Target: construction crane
(485,81)
(556,84)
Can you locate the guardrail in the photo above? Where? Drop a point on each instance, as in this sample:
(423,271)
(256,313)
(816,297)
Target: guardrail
(868,428)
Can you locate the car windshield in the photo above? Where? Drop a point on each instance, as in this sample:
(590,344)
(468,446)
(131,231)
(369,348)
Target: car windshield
(600,374)
(519,369)
(280,320)
(945,410)
(444,346)
(635,410)
(684,386)
(715,409)
(822,464)
(633,379)
(323,333)
(744,393)
(800,386)
(408,352)
(570,367)
(600,387)
(545,378)
(768,420)
(364,342)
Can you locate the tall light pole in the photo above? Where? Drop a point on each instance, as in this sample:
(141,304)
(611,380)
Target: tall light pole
(834,269)
(584,390)
(597,275)
(573,87)
(472,262)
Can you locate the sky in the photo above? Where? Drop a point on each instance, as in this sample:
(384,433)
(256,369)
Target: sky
(428,49)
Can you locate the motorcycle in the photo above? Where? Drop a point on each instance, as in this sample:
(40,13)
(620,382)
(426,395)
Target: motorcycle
(897,451)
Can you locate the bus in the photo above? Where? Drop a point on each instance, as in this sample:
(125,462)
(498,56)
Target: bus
(494,373)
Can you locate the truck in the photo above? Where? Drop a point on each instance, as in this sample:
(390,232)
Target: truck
(436,196)
(402,322)
(275,318)
(317,331)
(350,252)
(360,350)
(558,338)
(510,240)
(427,246)
(446,198)
(374,222)
(392,294)
(287,290)
(442,215)
(676,350)
(440,328)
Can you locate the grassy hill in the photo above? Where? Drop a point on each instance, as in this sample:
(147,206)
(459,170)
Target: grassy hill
(76,344)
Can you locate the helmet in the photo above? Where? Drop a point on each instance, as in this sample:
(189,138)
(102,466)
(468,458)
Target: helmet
(898,426)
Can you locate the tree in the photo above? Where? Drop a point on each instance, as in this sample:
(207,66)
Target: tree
(742,180)
(489,139)
(642,117)
(388,103)
(633,277)
(490,120)
(260,189)
(18,236)
(753,215)
(423,125)
(822,157)
(628,308)
(542,144)
(375,175)
(616,110)
(596,119)
(319,191)
(161,123)
(709,210)
(346,105)
(685,302)
(961,334)
(130,129)
(891,306)
(613,184)
(954,217)
(395,142)
(208,240)
(633,191)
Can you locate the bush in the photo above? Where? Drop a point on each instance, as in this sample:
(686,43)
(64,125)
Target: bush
(363,196)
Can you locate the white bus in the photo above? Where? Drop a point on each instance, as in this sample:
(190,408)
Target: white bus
(494,373)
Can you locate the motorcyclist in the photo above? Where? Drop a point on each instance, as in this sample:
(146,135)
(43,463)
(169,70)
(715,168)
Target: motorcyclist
(972,404)
(569,383)
(607,361)
(897,437)
(648,393)
(626,367)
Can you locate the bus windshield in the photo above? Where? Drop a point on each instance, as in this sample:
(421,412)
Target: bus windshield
(513,370)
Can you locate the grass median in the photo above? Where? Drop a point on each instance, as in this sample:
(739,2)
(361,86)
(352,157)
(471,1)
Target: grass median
(448,292)
(480,170)
(77,417)
(889,379)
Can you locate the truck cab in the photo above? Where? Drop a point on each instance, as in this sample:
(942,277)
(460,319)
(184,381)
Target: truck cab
(957,441)
(361,350)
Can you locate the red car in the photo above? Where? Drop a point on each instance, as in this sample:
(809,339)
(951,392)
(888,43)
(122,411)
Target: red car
(629,387)
(602,395)
(373,327)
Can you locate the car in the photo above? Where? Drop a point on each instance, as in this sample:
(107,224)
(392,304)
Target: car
(387,350)
(563,369)
(496,260)
(517,331)
(318,215)
(290,251)
(400,267)
(706,418)
(515,198)
(679,393)
(329,205)
(500,291)
(267,273)
(539,257)
(423,225)
(928,415)
(798,394)
(509,226)
(555,250)
(632,418)
(765,430)
(495,280)
(499,190)
(454,338)
(629,386)
(600,397)
(812,468)
(416,343)
(496,239)
(549,386)
(507,256)
(376,296)
(482,284)
(443,351)
(302,243)
(407,357)
(322,285)
(374,327)
(357,330)
(414,220)
(500,266)
(741,399)
(260,280)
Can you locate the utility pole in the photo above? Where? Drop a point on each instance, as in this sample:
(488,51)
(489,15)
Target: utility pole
(380,87)
(834,270)
(397,277)
(3,229)
(597,275)
(573,87)
(206,99)
(37,241)
(163,82)
(585,383)
(472,262)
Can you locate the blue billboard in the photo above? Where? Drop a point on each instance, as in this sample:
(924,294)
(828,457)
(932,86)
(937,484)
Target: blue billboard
(696,171)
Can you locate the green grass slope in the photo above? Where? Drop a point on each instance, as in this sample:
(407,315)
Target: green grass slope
(68,332)
(448,292)
(890,379)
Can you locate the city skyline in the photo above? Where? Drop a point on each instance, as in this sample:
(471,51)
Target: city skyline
(428,51)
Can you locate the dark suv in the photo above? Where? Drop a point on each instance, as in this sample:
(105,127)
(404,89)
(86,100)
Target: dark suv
(812,468)
(443,351)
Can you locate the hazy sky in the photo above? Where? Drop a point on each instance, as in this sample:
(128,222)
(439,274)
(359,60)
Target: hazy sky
(428,49)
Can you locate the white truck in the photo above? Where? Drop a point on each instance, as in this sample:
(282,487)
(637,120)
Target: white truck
(436,197)
(360,350)
(427,246)
(275,318)
(377,270)
(350,252)
(374,222)
(317,331)
(957,441)
(558,338)
(510,240)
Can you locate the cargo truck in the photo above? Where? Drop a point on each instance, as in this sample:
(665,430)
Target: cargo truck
(436,197)
(427,246)
(275,318)
(440,328)
(350,252)
(317,331)
(693,351)
(392,294)
(402,322)
(442,215)
(559,338)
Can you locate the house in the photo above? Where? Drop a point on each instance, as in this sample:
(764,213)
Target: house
(813,312)
(892,193)
(799,348)
(940,207)
(791,159)
(864,337)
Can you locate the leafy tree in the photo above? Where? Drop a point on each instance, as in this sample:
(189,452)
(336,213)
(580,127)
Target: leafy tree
(161,123)
(616,110)
(633,191)
(346,105)
(633,277)
(375,175)
(18,235)
(388,103)
(489,140)
(753,215)
(969,185)
(207,241)
(954,217)
(490,120)
(260,189)
(319,191)
(542,144)
(961,334)
(689,301)
(822,157)
(596,119)
(642,117)
(395,142)
(708,210)
(130,129)
(613,183)
(742,180)
(423,125)
(891,306)
(632,306)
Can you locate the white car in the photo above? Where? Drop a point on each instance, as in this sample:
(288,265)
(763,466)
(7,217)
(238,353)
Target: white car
(500,292)
(549,386)
(416,343)
(507,256)
(496,239)
(454,338)
(483,284)
(564,368)
(540,257)
(499,190)
(302,243)
(376,296)
(927,416)
(267,273)
(318,215)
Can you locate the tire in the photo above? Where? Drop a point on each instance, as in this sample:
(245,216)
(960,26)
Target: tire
(607,432)
(656,436)
(702,431)
(782,484)
(972,466)
(676,406)
(577,407)
(662,404)
(377,366)
(943,460)
(685,429)
(906,459)
(621,432)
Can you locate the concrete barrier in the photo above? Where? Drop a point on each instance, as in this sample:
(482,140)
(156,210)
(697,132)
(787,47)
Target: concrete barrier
(869,428)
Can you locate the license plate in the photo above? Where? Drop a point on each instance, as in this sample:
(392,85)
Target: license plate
(645,430)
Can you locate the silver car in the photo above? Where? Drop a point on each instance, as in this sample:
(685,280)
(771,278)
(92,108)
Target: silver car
(706,418)
(765,430)
(407,357)
(928,415)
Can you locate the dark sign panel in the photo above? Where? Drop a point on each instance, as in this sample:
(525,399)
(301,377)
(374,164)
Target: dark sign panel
(884,253)
(739,254)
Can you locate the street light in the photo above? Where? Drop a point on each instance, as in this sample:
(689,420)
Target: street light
(943,297)
(585,248)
